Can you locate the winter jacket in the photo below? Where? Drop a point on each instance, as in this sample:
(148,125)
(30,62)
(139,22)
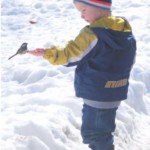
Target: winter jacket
(104,53)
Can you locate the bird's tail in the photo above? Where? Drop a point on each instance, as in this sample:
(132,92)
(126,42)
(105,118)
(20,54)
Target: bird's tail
(12,56)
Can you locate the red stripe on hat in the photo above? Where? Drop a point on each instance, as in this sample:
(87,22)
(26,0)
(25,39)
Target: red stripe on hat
(101,2)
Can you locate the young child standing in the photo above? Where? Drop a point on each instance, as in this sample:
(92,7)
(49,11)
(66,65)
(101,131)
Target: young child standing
(104,53)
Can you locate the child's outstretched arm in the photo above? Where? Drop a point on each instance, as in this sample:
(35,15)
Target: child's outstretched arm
(72,53)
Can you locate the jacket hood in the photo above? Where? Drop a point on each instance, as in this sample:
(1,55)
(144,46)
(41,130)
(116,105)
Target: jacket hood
(114,23)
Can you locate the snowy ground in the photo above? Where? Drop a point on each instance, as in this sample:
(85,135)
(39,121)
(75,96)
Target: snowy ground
(38,108)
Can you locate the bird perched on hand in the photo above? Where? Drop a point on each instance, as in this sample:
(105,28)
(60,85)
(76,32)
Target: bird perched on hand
(21,50)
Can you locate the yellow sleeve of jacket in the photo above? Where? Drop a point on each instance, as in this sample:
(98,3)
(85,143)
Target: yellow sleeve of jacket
(74,51)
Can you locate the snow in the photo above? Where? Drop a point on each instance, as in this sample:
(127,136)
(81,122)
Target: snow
(39,110)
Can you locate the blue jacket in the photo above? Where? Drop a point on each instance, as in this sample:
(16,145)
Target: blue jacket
(104,53)
(103,74)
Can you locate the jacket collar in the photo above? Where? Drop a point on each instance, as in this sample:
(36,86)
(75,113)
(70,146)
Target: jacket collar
(114,23)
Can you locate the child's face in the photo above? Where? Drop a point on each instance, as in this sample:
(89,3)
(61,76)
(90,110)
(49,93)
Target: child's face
(88,13)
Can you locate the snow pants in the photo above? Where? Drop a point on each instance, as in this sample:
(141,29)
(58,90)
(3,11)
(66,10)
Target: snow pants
(97,127)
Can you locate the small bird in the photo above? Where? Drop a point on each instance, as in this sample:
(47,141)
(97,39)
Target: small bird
(21,50)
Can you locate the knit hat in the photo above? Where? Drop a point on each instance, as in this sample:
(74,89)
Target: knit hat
(105,4)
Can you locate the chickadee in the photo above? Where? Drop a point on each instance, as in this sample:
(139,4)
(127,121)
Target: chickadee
(21,50)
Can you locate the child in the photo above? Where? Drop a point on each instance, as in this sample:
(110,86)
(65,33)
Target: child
(104,53)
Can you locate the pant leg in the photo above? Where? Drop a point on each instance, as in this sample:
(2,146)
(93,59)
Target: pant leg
(97,127)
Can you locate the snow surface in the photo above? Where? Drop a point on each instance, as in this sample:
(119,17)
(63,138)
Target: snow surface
(38,108)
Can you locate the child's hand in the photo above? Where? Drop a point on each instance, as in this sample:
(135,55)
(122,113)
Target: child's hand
(36,52)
